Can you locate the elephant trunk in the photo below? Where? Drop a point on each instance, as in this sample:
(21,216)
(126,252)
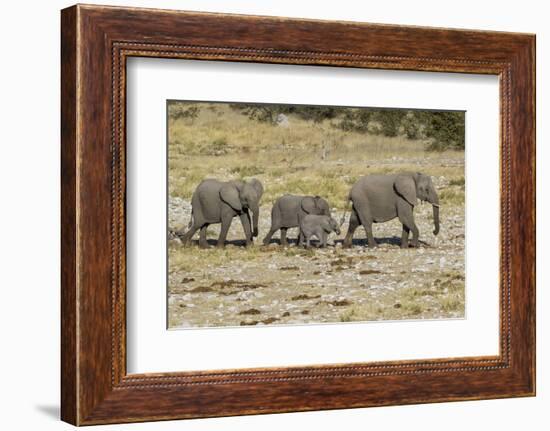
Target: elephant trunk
(436,218)
(434,200)
(255,218)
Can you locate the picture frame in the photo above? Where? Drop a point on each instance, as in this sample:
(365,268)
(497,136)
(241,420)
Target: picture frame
(96,42)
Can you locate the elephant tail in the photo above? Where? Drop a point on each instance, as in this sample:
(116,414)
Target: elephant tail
(180,233)
(191,220)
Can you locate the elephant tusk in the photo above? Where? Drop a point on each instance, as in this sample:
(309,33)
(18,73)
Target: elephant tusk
(436,205)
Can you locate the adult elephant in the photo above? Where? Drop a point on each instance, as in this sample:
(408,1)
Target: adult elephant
(218,202)
(380,198)
(288,210)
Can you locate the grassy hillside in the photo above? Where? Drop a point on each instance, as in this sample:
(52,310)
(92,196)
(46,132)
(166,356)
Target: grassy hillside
(303,158)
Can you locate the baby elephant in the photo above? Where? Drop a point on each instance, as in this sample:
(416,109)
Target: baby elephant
(319,226)
(288,210)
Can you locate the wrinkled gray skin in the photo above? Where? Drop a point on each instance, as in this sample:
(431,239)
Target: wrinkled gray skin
(319,226)
(218,202)
(380,198)
(288,210)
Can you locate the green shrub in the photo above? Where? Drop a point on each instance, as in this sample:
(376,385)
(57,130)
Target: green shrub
(217,147)
(457,181)
(177,110)
(445,130)
(390,121)
(412,126)
(355,120)
(246,171)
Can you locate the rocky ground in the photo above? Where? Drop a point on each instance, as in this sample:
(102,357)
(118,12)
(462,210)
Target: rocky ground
(261,285)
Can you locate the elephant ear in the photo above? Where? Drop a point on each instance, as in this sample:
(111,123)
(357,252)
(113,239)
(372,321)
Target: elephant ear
(322,206)
(258,187)
(406,188)
(308,204)
(230,195)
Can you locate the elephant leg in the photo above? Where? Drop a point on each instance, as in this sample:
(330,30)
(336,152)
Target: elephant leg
(245,220)
(406,217)
(323,239)
(370,237)
(267,238)
(186,237)
(353,225)
(284,242)
(308,239)
(363,213)
(405,237)
(226,224)
(202,237)
(317,236)
(415,235)
(301,238)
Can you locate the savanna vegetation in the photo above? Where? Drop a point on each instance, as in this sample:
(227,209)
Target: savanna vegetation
(316,151)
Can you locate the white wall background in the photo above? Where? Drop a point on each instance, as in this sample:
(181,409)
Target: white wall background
(29,216)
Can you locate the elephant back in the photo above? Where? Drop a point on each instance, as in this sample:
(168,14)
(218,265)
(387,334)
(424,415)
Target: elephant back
(315,205)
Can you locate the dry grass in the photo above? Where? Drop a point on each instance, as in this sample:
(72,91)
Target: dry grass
(445,294)
(304,158)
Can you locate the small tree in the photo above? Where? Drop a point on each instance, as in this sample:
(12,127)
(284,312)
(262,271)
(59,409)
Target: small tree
(446,130)
(177,110)
(355,120)
(390,121)
(412,126)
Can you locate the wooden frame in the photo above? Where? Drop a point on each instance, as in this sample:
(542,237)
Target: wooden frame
(96,41)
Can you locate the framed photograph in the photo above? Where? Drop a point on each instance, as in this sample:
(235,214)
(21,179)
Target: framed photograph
(264,214)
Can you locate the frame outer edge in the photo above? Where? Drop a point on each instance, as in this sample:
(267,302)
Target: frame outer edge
(523,179)
(69,213)
(532,82)
(533,54)
(530,63)
(87,397)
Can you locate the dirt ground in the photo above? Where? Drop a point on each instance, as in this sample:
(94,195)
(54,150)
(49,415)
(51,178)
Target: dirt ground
(261,285)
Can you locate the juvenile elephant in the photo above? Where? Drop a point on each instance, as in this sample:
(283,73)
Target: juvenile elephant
(218,202)
(319,226)
(380,198)
(288,210)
